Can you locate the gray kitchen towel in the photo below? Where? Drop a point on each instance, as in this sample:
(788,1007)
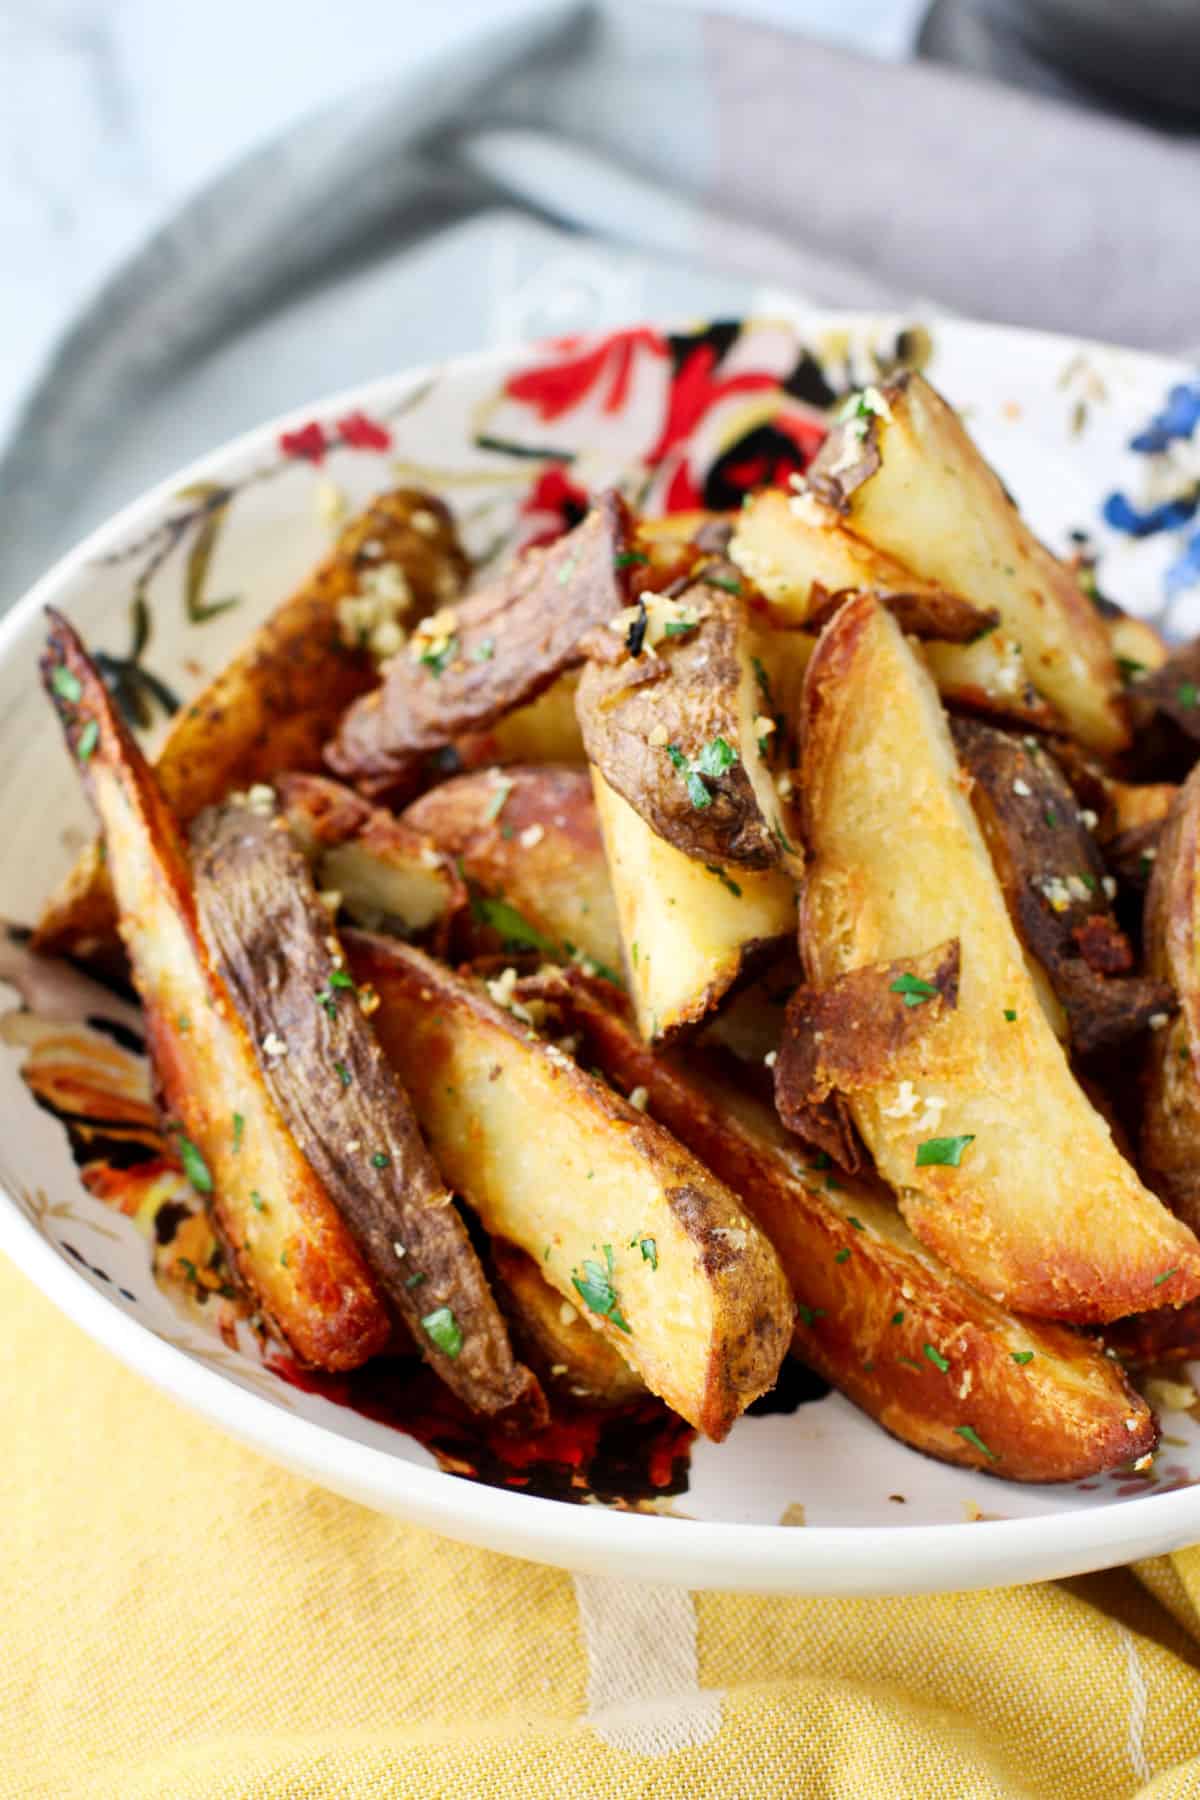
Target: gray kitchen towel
(577,164)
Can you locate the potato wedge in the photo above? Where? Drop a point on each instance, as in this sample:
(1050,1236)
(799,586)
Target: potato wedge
(530,838)
(1057,887)
(690,930)
(990,677)
(938,1364)
(293,1252)
(1000,1163)
(386,876)
(492,652)
(545,731)
(280,959)
(274,705)
(571,1358)
(663,1258)
(675,723)
(1171,1107)
(904,473)
(1138,646)
(802,557)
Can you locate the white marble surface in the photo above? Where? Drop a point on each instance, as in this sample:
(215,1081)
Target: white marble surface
(115,110)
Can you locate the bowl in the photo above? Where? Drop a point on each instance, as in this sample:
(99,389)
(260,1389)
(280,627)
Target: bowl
(807,1495)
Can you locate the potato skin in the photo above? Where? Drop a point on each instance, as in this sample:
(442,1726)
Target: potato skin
(690,688)
(1171,1104)
(1041,1212)
(275,947)
(871,1297)
(531,836)
(506,643)
(274,705)
(518,1127)
(915,485)
(294,1253)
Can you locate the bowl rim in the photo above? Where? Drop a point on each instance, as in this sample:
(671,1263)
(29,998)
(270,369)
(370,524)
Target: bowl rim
(725,1554)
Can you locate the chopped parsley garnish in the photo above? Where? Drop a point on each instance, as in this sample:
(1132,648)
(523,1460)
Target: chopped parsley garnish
(257,1201)
(595,1288)
(338,978)
(567,569)
(441,1328)
(808,1315)
(194,1166)
(517,933)
(66,685)
(649,1250)
(635,637)
(822,1160)
(1009,1014)
(763,680)
(1130,668)
(725,880)
(843,1254)
(183,1024)
(89,737)
(946,1152)
(1187,693)
(730,583)
(239,1126)
(915,990)
(283,1258)
(1022,1356)
(680,627)
(414,1281)
(935,1357)
(909,1363)
(897,1318)
(495,805)
(343,1074)
(437,656)
(1051,817)
(380,1160)
(484,650)
(624,558)
(972,1436)
(1165,1276)
(714,760)
(1089,882)
(851,1220)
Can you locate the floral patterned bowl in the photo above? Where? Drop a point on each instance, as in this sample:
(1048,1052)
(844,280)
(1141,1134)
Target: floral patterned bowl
(1100,446)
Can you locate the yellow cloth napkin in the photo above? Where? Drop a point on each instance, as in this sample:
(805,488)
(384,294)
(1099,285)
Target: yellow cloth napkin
(183,1620)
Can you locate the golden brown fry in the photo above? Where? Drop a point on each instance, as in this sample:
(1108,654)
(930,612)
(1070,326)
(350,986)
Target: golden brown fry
(386,876)
(285,1237)
(274,945)
(545,731)
(530,838)
(938,1364)
(274,705)
(671,1270)
(906,476)
(1171,1115)
(1019,1185)
(690,930)
(571,1358)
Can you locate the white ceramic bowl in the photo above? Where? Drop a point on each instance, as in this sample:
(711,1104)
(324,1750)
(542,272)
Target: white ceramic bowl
(504,437)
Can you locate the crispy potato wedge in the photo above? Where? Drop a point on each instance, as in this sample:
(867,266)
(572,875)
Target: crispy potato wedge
(990,677)
(938,1364)
(552,1160)
(1054,880)
(387,876)
(904,473)
(1138,646)
(570,1357)
(545,731)
(1171,1103)
(675,723)
(530,838)
(803,559)
(280,959)
(690,930)
(492,652)
(295,1253)
(1000,1163)
(274,705)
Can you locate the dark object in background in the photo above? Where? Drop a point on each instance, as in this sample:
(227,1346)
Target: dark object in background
(1137,57)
